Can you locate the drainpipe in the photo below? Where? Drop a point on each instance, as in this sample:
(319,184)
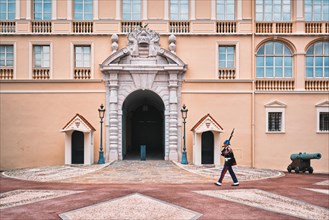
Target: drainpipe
(253,86)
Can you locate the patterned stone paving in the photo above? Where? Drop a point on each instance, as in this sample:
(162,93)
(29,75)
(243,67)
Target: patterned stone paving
(270,202)
(324,191)
(323,183)
(243,173)
(22,197)
(134,171)
(54,173)
(133,206)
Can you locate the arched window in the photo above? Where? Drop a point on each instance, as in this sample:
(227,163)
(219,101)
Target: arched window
(274,60)
(317,60)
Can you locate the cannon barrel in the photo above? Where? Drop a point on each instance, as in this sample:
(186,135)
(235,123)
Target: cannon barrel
(305,156)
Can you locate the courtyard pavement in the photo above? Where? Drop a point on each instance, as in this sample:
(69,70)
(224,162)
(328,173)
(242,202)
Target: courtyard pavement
(157,189)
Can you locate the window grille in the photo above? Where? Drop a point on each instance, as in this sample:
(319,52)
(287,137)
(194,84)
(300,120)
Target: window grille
(324,121)
(275,121)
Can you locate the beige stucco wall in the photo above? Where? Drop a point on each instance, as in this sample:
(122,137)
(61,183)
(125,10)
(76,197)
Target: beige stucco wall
(31,124)
(274,150)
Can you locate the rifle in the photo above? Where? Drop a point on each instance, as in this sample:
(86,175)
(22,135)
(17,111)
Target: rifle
(231,134)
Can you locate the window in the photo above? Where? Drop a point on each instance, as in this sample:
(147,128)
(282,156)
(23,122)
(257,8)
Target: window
(316,10)
(179,10)
(41,56)
(225,10)
(42,9)
(6,56)
(274,60)
(7,9)
(324,121)
(274,121)
(273,10)
(131,9)
(82,56)
(317,60)
(322,111)
(275,117)
(226,57)
(83,10)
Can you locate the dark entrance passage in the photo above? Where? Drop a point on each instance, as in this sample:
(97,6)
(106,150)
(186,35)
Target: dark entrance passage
(143,124)
(207,145)
(77,147)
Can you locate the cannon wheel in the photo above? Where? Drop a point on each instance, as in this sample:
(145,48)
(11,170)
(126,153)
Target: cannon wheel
(297,169)
(310,170)
(289,168)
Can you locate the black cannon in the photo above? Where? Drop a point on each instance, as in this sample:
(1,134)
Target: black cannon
(302,162)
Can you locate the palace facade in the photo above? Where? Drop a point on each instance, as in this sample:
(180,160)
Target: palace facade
(260,67)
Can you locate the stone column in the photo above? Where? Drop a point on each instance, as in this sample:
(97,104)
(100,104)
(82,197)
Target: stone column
(173,116)
(112,132)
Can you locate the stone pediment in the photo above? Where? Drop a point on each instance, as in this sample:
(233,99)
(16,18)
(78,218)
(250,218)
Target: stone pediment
(276,104)
(323,104)
(78,123)
(143,50)
(207,123)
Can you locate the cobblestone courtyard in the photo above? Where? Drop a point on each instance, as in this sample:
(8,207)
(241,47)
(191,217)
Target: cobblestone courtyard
(160,190)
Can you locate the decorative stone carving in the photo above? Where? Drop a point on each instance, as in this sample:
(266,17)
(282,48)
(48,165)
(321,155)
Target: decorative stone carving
(115,40)
(172,43)
(143,41)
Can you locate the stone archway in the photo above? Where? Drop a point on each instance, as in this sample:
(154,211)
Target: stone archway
(143,65)
(143,124)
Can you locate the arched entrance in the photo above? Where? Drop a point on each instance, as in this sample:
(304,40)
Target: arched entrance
(207,145)
(143,124)
(77,147)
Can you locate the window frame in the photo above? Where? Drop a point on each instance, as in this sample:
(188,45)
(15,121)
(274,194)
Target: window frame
(314,13)
(226,55)
(274,67)
(7,12)
(83,12)
(314,55)
(265,10)
(225,3)
(6,54)
(179,13)
(83,56)
(322,107)
(41,54)
(131,11)
(275,107)
(42,2)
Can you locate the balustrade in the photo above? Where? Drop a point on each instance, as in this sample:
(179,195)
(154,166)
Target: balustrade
(283,27)
(264,27)
(226,73)
(314,27)
(82,73)
(41,73)
(275,84)
(226,27)
(129,26)
(41,26)
(179,27)
(6,73)
(317,85)
(83,27)
(7,26)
